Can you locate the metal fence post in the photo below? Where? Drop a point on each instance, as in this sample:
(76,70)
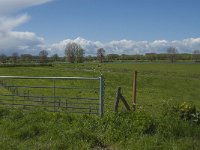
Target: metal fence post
(101,95)
(54,94)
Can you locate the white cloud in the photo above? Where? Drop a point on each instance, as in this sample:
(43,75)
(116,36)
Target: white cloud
(14,41)
(10,6)
(128,46)
(88,45)
(8,23)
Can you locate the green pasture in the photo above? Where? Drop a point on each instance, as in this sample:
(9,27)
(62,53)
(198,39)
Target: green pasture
(155,124)
(156,82)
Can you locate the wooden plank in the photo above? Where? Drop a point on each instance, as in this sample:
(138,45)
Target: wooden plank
(125,102)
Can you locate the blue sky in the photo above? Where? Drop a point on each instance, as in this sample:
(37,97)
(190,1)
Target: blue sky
(120,26)
(107,20)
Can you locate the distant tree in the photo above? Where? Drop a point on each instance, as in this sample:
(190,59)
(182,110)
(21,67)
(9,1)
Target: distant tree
(55,57)
(70,52)
(26,57)
(79,55)
(150,56)
(100,54)
(172,53)
(124,57)
(90,58)
(111,57)
(184,56)
(3,58)
(196,55)
(163,56)
(14,57)
(74,53)
(137,57)
(43,56)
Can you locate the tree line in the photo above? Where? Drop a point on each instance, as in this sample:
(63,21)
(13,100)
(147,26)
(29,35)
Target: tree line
(74,53)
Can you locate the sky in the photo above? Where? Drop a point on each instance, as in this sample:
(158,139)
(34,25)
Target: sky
(118,26)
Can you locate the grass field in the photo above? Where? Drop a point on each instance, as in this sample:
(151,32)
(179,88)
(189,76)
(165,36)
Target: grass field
(157,123)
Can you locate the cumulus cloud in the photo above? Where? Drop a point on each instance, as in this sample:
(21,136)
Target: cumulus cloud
(13,41)
(10,6)
(7,24)
(89,46)
(21,42)
(128,46)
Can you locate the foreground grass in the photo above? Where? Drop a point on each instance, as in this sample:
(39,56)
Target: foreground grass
(125,130)
(152,126)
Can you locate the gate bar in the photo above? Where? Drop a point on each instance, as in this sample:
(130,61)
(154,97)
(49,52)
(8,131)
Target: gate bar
(67,78)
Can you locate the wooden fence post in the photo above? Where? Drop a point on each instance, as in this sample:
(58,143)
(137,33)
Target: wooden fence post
(125,102)
(134,90)
(117,98)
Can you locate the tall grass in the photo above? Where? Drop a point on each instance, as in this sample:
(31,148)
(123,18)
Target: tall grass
(124,130)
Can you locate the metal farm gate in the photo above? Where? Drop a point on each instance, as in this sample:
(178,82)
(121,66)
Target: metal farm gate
(57,94)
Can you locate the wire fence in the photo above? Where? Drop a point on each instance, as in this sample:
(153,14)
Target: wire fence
(57,94)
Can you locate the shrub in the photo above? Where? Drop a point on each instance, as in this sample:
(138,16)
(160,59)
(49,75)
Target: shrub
(188,112)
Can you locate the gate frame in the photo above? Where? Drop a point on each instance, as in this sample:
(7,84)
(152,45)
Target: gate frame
(101,85)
